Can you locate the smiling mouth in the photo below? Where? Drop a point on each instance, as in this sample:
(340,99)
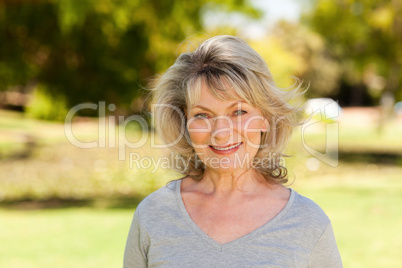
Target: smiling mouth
(226,148)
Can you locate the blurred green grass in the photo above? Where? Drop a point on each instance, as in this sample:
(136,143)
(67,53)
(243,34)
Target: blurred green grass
(365,206)
(90,195)
(74,237)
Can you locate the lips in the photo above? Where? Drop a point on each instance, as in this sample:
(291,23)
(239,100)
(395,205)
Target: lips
(226,149)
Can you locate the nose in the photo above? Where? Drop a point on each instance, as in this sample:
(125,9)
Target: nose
(222,130)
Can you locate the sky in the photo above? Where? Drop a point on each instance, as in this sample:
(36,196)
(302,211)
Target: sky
(279,9)
(273,10)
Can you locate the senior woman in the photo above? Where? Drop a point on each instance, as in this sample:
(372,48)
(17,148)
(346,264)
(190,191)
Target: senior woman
(220,111)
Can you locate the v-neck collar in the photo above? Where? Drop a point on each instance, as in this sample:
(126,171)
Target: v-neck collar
(224,246)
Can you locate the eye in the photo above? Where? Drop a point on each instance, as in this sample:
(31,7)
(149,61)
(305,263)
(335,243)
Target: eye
(239,112)
(201,116)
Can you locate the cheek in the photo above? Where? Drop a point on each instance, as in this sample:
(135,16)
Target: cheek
(199,131)
(251,130)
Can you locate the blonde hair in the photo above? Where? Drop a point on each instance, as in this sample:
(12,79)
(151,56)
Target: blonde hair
(221,61)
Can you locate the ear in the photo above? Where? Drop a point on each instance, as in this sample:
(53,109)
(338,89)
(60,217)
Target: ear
(265,125)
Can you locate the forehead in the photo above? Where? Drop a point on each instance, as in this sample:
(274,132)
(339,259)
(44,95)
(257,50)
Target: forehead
(200,91)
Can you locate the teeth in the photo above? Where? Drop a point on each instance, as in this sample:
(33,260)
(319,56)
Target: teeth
(226,148)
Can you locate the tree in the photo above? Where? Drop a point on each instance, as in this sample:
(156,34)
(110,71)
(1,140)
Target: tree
(306,58)
(87,51)
(364,37)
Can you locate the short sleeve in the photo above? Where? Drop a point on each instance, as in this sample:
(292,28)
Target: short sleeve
(134,255)
(325,252)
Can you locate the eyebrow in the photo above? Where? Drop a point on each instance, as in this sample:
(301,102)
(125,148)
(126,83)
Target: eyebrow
(229,107)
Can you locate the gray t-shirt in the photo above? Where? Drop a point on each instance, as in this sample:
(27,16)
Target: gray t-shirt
(162,234)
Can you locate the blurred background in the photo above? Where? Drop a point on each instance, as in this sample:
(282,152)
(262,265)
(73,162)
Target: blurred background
(62,205)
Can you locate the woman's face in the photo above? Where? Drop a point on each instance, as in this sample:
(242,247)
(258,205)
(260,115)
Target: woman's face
(225,134)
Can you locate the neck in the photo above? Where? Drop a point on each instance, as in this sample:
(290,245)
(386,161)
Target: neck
(245,181)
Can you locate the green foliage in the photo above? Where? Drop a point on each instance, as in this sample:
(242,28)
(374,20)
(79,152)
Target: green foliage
(45,106)
(88,51)
(294,50)
(365,37)
(282,63)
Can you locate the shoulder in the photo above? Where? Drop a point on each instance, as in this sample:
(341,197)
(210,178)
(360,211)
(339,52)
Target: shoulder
(164,195)
(308,211)
(309,207)
(162,199)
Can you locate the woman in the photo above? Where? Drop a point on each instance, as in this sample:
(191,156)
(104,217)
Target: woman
(219,110)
